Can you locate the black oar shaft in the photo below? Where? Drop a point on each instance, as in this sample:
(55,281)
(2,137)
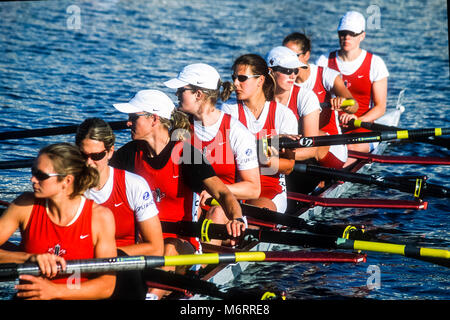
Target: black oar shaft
(416,186)
(439,141)
(353,138)
(439,256)
(293,222)
(70,129)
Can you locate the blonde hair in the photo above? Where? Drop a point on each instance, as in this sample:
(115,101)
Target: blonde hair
(213,95)
(68,160)
(178,126)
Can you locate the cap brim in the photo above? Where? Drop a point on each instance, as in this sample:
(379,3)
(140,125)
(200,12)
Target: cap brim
(126,108)
(175,83)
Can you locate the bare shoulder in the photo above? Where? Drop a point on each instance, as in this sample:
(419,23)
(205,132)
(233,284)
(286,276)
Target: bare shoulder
(101,215)
(22,205)
(25,199)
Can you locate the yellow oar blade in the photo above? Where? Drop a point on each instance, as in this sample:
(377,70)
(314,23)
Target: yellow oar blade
(406,250)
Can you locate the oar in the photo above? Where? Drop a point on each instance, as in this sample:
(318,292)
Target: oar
(346,103)
(399,159)
(415,185)
(217,231)
(357,203)
(188,285)
(31,133)
(352,138)
(10,271)
(439,141)
(293,222)
(16,164)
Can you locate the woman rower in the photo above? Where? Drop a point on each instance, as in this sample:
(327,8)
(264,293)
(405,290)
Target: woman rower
(173,169)
(325,82)
(57,223)
(130,199)
(364,74)
(284,66)
(225,142)
(264,117)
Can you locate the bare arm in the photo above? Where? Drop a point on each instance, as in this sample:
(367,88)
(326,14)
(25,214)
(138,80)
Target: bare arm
(219,191)
(248,187)
(152,239)
(379,96)
(15,216)
(342,93)
(310,125)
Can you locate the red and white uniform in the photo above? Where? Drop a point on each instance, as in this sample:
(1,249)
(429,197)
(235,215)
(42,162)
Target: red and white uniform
(358,75)
(72,241)
(130,199)
(174,199)
(321,82)
(274,119)
(228,145)
(305,101)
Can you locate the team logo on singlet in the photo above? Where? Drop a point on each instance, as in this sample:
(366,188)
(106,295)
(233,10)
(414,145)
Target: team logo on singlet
(57,251)
(158,195)
(347,84)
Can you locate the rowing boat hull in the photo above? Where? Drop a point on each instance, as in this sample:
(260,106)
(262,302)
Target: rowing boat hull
(223,274)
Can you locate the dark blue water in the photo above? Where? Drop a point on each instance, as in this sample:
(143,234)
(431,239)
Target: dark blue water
(63,61)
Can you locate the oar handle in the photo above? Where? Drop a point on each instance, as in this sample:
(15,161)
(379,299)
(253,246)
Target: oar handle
(345,103)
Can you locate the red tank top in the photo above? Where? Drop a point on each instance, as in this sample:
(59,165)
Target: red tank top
(293,100)
(123,214)
(328,120)
(71,242)
(218,151)
(357,83)
(173,198)
(270,184)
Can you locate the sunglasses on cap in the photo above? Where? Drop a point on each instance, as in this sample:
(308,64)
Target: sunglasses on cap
(287,71)
(244,77)
(41,176)
(344,33)
(96,156)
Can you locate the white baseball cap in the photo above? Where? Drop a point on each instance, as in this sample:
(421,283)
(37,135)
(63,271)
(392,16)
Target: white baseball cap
(282,56)
(151,101)
(197,74)
(352,21)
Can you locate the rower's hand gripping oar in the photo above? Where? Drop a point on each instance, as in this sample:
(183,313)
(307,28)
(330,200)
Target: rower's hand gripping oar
(344,105)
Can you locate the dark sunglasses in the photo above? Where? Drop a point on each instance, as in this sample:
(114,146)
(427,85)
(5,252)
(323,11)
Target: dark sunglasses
(244,77)
(97,156)
(344,33)
(40,175)
(287,71)
(132,117)
(181,90)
